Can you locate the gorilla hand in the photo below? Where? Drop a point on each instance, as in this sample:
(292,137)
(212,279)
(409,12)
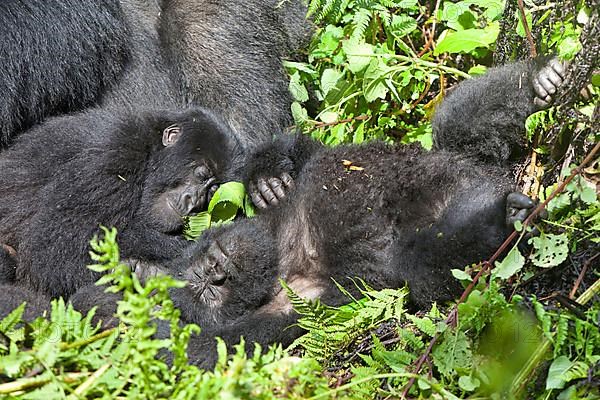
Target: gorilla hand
(547,81)
(268,192)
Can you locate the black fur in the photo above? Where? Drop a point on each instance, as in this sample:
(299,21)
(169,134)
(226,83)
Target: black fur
(68,176)
(56,56)
(12,296)
(226,55)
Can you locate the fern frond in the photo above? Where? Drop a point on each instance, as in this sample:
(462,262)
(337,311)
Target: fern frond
(360,23)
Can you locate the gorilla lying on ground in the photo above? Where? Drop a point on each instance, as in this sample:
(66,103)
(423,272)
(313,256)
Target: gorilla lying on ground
(65,55)
(141,174)
(401,215)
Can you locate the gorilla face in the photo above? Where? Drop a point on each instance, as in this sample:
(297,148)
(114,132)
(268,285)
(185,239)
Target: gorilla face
(184,176)
(228,277)
(192,195)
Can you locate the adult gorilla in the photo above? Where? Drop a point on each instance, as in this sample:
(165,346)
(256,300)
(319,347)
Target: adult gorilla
(66,55)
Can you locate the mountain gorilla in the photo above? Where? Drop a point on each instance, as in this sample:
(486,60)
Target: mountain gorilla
(139,173)
(404,215)
(66,55)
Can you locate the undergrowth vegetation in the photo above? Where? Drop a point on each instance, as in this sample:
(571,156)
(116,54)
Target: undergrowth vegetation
(526,328)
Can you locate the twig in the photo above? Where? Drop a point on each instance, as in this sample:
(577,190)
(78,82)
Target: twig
(342,121)
(28,383)
(532,50)
(430,40)
(487,265)
(581,275)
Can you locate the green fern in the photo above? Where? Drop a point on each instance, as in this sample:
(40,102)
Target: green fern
(331,329)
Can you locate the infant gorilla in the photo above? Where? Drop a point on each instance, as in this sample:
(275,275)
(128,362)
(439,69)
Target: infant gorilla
(404,215)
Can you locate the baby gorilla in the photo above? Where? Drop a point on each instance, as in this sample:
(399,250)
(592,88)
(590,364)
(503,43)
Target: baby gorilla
(401,215)
(138,173)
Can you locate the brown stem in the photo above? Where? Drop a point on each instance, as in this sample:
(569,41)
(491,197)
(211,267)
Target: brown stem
(532,50)
(581,275)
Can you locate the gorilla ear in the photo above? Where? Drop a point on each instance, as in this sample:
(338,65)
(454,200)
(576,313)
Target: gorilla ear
(170,135)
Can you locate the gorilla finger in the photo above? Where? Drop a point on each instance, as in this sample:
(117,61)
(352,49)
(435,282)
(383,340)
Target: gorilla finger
(519,200)
(258,200)
(540,91)
(287,180)
(554,77)
(544,80)
(520,216)
(558,66)
(277,187)
(540,103)
(267,193)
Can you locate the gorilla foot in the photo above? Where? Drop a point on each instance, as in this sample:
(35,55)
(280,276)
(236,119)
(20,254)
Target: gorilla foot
(269,192)
(547,81)
(518,208)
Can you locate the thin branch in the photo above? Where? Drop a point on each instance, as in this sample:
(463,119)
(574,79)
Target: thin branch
(532,50)
(582,274)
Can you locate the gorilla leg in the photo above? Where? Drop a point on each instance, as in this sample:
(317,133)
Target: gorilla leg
(12,296)
(485,117)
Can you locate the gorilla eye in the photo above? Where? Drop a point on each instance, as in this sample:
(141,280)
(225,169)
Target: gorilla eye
(203,172)
(170,135)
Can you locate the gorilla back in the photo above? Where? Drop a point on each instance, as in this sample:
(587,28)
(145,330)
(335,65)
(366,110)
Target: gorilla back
(56,56)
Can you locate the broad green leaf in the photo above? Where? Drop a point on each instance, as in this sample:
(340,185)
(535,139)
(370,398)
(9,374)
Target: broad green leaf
(467,40)
(453,354)
(461,275)
(297,89)
(550,250)
(555,374)
(299,113)
(468,383)
(374,86)
(329,80)
(568,47)
(477,70)
(520,27)
(328,117)
(359,55)
(512,263)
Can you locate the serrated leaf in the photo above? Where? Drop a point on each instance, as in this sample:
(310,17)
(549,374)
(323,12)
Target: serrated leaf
(297,88)
(374,86)
(549,250)
(329,80)
(512,263)
(453,354)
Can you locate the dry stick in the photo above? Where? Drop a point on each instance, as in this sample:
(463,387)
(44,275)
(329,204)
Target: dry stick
(532,50)
(486,265)
(581,275)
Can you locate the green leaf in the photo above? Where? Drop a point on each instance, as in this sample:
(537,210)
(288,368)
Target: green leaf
(461,275)
(468,384)
(558,367)
(402,25)
(453,354)
(374,86)
(329,80)
(512,263)
(297,88)
(568,47)
(467,40)
(359,55)
(550,250)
